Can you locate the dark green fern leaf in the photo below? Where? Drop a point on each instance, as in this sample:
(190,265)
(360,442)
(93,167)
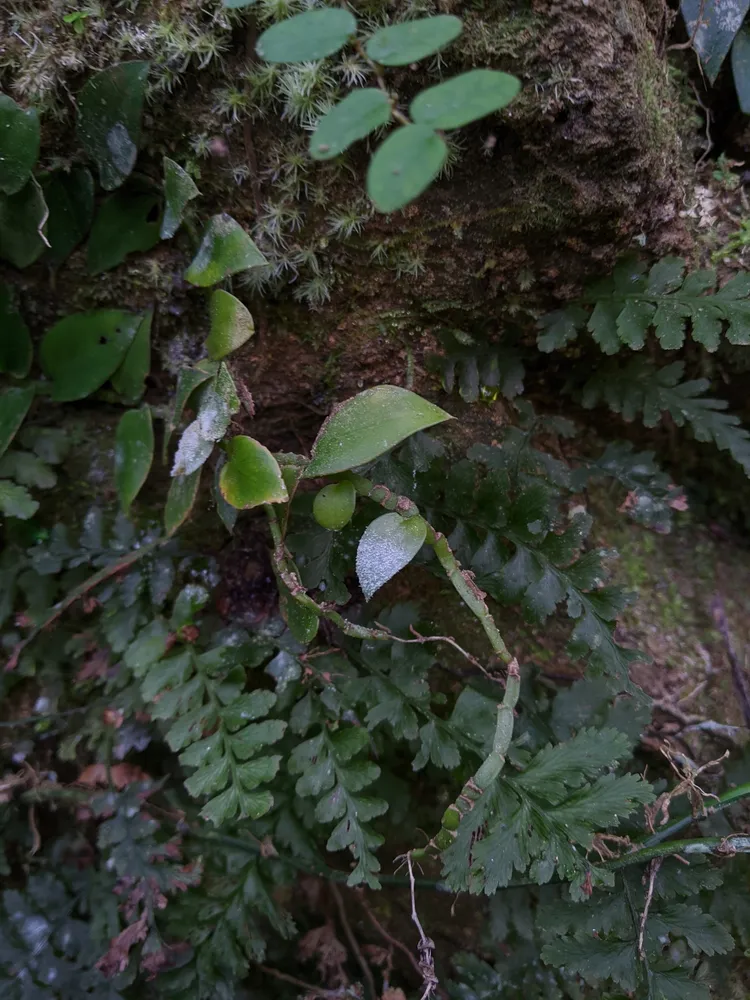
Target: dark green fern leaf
(619,310)
(639,388)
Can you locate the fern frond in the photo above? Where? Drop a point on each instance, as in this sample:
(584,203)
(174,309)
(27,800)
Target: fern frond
(619,310)
(201,693)
(638,387)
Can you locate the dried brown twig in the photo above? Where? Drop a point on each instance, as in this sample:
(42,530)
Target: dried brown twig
(426,946)
(369,979)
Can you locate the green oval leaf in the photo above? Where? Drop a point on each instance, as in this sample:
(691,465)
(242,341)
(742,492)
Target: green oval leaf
(14,405)
(464,98)
(82,351)
(70,199)
(16,501)
(368,425)
(110,106)
(389,543)
(231,325)
(19,144)
(180,499)
(360,113)
(125,223)
(741,67)
(129,378)
(179,189)
(307,37)
(404,165)
(251,476)
(16,350)
(401,44)
(225,249)
(134,453)
(22,218)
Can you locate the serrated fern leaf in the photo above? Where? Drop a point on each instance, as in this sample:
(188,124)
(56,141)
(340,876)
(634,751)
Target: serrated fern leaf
(479,371)
(46,949)
(619,310)
(332,769)
(211,719)
(545,818)
(639,388)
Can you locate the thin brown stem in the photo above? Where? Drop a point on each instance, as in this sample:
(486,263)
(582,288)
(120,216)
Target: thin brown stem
(389,938)
(653,872)
(361,960)
(693,35)
(285,977)
(80,591)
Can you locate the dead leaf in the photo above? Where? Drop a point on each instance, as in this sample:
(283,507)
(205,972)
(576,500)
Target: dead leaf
(122,775)
(118,955)
(95,667)
(321,943)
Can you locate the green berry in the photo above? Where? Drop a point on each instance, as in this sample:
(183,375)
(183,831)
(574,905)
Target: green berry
(334,505)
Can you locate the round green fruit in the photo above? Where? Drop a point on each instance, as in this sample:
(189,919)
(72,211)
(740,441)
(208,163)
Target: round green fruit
(334,505)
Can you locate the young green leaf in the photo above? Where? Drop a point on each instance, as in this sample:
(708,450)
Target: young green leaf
(126,223)
(70,199)
(404,166)
(307,37)
(741,67)
(16,349)
(129,378)
(231,325)
(82,351)
(180,499)
(22,219)
(225,249)
(410,41)
(720,20)
(179,189)
(360,112)
(19,144)
(109,119)
(134,452)
(16,501)
(369,424)
(389,543)
(464,98)
(188,380)
(251,476)
(14,405)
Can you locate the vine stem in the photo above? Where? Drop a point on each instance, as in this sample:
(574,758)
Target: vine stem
(461,580)
(724,801)
(59,609)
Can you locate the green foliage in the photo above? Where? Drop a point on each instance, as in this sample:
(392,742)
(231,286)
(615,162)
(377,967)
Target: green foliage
(388,544)
(19,144)
(225,249)
(177,773)
(251,476)
(125,223)
(368,425)
(639,388)
(179,189)
(630,302)
(110,106)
